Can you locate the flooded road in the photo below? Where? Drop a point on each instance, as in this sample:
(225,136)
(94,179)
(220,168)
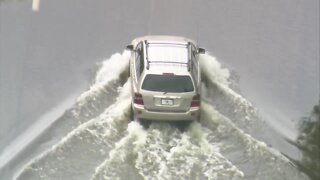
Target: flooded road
(260,91)
(111,146)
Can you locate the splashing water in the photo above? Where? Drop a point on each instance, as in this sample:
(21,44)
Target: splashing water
(221,146)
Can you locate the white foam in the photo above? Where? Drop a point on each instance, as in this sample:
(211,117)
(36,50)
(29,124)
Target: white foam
(213,70)
(265,161)
(193,149)
(219,76)
(109,71)
(119,63)
(164,152)
(252,144)
(136,136)
(115,112)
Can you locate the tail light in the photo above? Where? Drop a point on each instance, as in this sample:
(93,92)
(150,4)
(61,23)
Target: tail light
(137,99)
(195,101)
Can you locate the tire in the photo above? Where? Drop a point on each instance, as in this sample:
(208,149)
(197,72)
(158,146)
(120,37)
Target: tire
(132,116)
(199,117)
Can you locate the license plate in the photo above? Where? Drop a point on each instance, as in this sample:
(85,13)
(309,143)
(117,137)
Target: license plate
(167,102)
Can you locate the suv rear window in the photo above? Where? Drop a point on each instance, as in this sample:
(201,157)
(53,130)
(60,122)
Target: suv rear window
(167,83)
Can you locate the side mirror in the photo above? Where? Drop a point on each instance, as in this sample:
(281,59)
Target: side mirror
(201,51)
(129,47)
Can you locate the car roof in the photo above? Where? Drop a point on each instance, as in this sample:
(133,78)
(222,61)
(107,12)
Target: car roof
(168,58)
(175,58)
(164,38)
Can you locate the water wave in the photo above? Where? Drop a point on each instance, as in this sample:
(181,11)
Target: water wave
(223,145)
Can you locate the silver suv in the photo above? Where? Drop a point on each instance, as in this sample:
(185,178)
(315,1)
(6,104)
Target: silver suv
(165,75)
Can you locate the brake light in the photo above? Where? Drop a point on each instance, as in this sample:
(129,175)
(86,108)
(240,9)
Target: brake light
(195,101)
(137,99)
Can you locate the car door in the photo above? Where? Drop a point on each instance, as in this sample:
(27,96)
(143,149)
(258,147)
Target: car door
(137,65)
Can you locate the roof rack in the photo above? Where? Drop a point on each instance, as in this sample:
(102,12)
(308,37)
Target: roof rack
(168,62)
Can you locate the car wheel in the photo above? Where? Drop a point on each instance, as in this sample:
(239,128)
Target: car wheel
(144,123)
(131,114)
(199,117)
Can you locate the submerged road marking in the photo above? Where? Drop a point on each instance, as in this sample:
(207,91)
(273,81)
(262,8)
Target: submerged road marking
(35,5)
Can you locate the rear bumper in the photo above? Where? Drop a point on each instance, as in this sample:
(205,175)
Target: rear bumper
(142,113)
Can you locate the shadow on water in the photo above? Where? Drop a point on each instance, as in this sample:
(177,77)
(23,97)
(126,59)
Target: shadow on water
(309,143)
